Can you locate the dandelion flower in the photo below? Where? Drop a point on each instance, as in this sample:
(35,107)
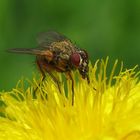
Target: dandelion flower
(106,109)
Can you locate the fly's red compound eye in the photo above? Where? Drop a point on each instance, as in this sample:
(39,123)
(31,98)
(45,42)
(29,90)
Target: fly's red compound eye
(75,59)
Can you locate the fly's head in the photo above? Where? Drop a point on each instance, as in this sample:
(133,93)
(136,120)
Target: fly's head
(80,60)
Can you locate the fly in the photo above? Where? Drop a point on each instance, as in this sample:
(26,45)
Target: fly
(55,52)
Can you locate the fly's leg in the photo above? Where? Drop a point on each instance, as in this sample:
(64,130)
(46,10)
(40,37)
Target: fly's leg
(88,80)
(43,78)
(54,79)
(43,68)
(43,74)
(71,78)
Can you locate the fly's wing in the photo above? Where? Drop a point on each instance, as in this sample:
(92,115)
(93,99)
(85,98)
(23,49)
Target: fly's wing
(42,52)
(26,51)
(45,39)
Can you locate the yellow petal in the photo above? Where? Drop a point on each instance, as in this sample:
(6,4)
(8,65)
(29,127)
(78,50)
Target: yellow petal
(106,109)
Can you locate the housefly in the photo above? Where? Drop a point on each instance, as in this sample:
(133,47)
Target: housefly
(55,52)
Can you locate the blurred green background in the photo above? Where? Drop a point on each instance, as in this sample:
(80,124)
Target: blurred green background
(102,27)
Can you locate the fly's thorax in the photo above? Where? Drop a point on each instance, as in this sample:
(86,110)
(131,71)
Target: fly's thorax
(65,47)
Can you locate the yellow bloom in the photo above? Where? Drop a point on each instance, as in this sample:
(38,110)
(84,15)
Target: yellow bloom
(106,109)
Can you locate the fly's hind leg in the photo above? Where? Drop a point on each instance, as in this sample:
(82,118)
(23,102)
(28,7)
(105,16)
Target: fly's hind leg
(43,67)
(43,75)
(54,79)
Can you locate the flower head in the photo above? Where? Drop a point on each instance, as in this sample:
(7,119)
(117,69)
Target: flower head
(106,109)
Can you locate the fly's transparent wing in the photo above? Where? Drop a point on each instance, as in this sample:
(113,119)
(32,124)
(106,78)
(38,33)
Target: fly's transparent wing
(32,51)
(45,39)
